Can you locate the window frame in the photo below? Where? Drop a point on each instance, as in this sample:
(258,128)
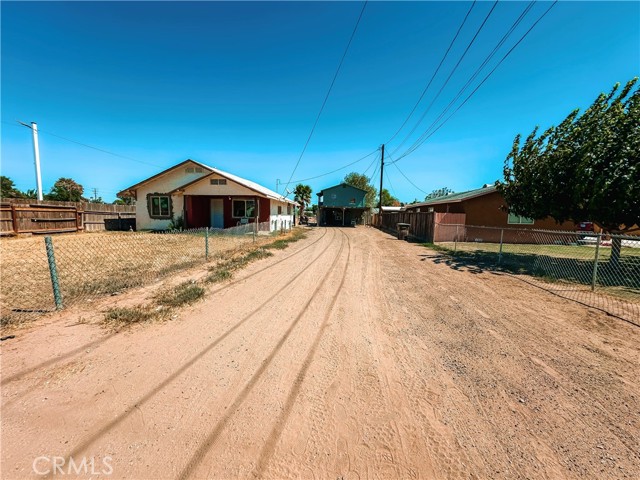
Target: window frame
(245,201)
(513,219)
(159,215)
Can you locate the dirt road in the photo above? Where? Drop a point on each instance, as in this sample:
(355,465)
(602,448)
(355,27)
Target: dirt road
(349,355)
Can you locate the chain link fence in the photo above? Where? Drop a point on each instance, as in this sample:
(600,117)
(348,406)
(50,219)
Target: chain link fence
(40,275)
(601,271)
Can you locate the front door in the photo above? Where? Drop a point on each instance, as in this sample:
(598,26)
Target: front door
(217,213)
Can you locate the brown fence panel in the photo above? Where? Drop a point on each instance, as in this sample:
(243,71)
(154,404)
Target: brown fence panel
(95,214)
(421,223)
(33,216)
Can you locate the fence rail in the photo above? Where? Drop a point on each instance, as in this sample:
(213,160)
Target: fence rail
(41,275)
(602,271)
(33,216)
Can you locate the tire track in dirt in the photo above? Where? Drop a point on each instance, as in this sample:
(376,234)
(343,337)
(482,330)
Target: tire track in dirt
(269,447)
(417,384)
(208,442)
(21,374)
(145,398)
(492,369)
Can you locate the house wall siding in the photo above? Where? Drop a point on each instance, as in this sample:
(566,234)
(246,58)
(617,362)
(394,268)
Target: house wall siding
(164,184)
(341,196)
(488,211)
(204,187)
(283,220)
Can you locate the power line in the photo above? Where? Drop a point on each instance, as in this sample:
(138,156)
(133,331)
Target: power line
(419,143)
(386,175)
(446,82)
(487,59)
(373,174)
(434,73)
(375,161)
(334,171)
(90,146)
(394,163)
(327,95)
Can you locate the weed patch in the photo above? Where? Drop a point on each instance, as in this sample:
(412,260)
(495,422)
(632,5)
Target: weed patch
(125,316)
(184,294)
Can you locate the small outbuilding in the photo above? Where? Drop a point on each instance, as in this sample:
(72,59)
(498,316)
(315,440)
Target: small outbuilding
(341,205)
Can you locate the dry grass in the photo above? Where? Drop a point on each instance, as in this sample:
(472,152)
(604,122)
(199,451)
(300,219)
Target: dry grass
(97,264)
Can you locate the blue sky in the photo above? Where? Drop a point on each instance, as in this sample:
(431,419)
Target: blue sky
(238,85)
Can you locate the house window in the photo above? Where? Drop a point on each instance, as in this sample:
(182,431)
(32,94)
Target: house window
(193,169)
(288,209)
(279,209)
(159,206)
(519,220)
(244,208)
(218,181)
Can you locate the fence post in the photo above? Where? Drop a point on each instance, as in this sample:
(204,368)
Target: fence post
(455,242)
(206,243)
(53,272)
(14,219)
(500,252)
(595,262)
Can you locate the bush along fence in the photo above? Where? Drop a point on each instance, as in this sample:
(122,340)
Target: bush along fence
(602,271)
(33,216)
(41,275)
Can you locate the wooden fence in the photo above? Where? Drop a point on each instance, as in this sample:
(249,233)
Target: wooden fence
(424,226)
(33,216)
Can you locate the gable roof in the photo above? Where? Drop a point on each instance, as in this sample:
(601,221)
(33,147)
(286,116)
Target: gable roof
(212,170)
(340,185)
(456,197)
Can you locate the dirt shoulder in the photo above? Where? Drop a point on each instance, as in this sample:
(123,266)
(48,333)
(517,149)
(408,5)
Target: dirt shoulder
(347,355)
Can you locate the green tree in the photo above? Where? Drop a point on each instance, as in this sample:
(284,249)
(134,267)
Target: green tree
(66,190)
(586,168)
(8,188)
(124,201)
(389,200)
(31,193)
(362,181)
(302,197)
(440,192)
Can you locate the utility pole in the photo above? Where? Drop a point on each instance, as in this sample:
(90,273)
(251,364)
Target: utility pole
(381,173)
(36,156)
(95,193)
(277,184)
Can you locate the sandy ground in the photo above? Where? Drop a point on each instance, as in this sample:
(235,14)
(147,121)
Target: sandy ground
(349,355)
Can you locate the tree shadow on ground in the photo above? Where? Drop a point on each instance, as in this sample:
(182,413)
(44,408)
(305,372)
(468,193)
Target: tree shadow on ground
(625,274)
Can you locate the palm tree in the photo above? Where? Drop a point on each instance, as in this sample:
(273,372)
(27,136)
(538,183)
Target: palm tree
(303,197)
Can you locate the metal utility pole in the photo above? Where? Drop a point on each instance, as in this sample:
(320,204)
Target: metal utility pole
(381,173)
(36,156)
(277,184)
(95,193)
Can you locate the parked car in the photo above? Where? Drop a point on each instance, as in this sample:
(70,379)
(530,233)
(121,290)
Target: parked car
(585,229)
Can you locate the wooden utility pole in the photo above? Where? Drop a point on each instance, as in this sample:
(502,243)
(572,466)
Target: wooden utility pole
(381,173)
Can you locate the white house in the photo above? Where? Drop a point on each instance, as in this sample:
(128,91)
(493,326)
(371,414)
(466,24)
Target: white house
(204,196)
